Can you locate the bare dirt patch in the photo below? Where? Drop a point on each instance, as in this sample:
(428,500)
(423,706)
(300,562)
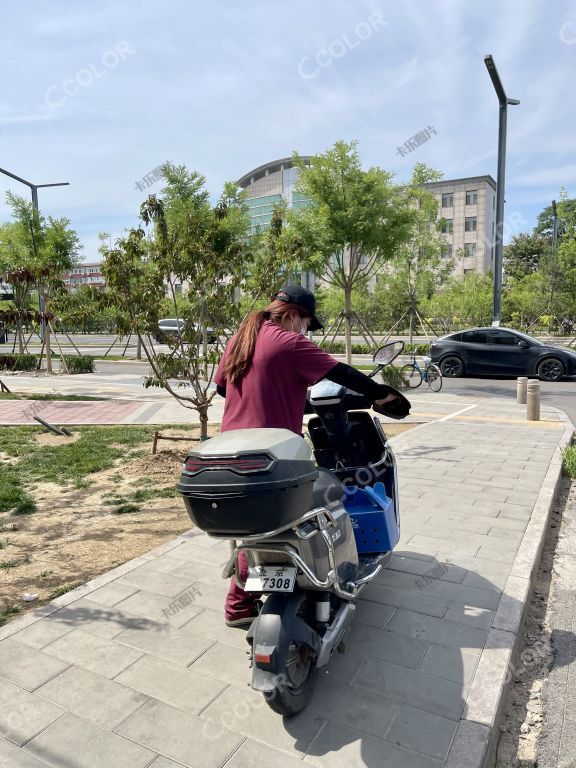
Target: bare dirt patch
(522,718)
(77,533)
(51,439)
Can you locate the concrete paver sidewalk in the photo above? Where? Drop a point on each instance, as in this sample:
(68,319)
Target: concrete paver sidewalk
(136,668)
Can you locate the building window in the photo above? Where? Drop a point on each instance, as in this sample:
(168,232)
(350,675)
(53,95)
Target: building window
(447,200)
(470,250)
(469,271)
(177,288)
(472,197)
(446,252)
(470,224)
(446,226)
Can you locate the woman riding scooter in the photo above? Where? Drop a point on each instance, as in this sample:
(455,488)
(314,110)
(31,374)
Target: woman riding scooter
(264,375)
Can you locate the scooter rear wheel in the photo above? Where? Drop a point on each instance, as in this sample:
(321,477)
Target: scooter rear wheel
(294,670)
(294,688)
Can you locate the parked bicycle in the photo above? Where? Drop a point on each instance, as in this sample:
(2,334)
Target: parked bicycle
(414,375)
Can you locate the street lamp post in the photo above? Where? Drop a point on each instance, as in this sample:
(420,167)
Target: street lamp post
(555,227)
(503,101)
(554,253)
(34,189)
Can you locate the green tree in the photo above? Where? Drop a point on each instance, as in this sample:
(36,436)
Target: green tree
(462,302)
(42,248)
(191,244)
(330,303)
(356,221)
(84,311)
(417,269)
(525,255)
(566,218)
(276,256)
(564,303)
(527,299)
(19,309)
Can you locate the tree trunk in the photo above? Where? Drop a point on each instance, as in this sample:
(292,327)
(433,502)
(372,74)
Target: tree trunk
(48,348)
(204,350)
(19,335)
(347,323)
(138,348)
(411,326)
(203,414)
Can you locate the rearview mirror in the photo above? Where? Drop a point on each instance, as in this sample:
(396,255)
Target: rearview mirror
(388,353)
(523,344)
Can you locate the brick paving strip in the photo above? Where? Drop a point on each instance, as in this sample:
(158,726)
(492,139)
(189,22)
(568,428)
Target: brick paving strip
(136,668)
(18,412)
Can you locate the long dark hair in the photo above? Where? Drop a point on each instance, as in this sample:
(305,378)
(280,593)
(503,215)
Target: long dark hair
(239,356)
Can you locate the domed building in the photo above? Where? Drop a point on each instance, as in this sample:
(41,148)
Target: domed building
(267,185)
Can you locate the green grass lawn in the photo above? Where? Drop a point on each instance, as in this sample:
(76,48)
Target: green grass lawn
(69,463)
(72,463)
(569,461)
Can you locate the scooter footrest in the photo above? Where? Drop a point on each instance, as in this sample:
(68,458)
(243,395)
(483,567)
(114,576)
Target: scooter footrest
(367,565)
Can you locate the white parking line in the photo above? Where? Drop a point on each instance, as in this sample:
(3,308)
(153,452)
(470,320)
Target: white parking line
(457,413)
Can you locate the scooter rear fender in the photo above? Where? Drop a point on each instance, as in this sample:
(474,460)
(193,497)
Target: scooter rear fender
(270,636)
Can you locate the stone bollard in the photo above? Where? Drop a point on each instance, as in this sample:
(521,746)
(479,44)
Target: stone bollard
(533,401)
(521,389)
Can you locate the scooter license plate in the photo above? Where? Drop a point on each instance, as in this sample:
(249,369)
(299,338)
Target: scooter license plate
(270,578)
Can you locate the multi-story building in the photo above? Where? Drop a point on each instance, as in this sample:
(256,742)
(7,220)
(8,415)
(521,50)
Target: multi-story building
(467,209)
(87,274)
(267,185)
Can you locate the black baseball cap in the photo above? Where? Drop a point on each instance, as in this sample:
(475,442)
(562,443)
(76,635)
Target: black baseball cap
(295,294)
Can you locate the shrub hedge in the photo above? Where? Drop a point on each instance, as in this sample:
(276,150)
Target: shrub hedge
(80,363)
(392,375)
(339,348)
(75,363)
(18,362)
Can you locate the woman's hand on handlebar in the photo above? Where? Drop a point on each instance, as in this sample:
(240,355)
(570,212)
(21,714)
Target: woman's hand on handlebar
(393,404)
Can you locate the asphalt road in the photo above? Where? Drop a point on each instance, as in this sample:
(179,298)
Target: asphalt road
(560,394)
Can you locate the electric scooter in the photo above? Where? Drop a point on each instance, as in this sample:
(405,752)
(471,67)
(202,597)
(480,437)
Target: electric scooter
(314,532)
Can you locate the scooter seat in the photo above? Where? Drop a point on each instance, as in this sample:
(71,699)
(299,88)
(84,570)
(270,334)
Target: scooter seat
(327,489)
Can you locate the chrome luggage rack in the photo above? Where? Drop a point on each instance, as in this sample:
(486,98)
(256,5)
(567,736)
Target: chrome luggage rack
(370,567)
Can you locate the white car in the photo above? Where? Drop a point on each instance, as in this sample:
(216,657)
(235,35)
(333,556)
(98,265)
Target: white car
(174,327)
(169,327)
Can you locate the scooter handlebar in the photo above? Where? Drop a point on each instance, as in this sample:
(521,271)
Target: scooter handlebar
(398,408)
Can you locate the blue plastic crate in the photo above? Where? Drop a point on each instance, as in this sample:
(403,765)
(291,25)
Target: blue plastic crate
(373,518)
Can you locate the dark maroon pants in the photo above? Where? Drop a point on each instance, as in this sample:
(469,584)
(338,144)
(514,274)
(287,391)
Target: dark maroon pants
(240,604)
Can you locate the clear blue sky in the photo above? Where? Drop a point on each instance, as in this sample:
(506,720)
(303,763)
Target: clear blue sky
(100,93)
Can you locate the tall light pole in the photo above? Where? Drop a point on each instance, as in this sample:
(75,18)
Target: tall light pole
(503,101)
(34,189)
(554,252)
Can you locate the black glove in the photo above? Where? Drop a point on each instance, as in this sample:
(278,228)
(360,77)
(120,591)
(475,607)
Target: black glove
(398,408)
